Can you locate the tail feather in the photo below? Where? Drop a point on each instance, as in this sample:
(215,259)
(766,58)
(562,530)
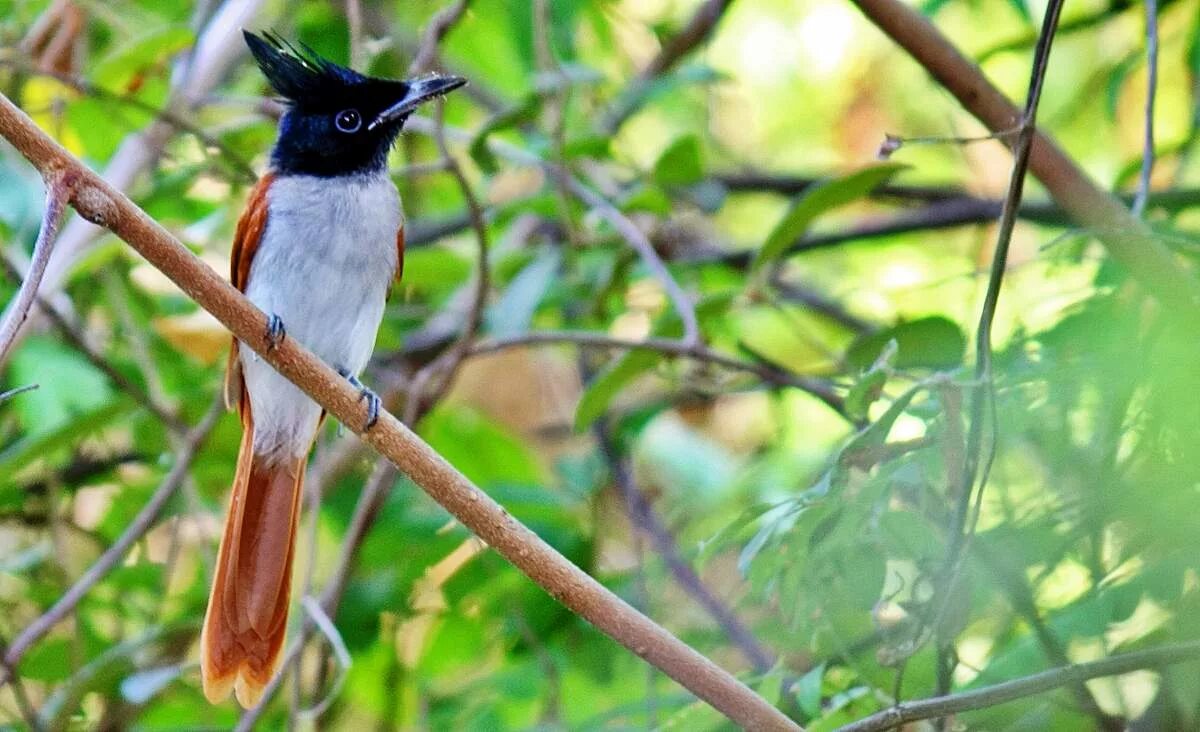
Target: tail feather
(244,628)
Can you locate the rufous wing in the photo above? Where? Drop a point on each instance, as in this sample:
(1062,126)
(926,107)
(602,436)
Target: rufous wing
(250,228)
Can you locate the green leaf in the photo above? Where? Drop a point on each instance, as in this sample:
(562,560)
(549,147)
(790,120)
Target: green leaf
(513,312)
(49,660)
(68,385)
(819,199)
(608,383)
(808,690)
(935,342)
(680,164)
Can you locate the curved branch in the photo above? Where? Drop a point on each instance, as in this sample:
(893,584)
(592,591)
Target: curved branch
(100,203)
(990,696)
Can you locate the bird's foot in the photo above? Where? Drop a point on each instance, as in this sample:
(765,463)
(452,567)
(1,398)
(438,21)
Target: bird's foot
(373,401)
(275,331)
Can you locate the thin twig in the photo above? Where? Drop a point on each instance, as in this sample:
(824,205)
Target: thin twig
(437,29)
(641,244)
(990,696)
(114,554)
(646,520)
(586,339)
(1008,218)
(446,366)
(58,191)
(697,30)
(161,114)
(1143,190)
(973,479)
(6,395)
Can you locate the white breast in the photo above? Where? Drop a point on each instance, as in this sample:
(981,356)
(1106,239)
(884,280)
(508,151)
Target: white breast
(323,266)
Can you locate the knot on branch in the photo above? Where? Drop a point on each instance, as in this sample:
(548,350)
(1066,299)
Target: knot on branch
(95,205)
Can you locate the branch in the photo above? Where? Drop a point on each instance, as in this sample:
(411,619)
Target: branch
(1130,242)
(640,244)
(1143,189)
(437,29)
(100,203)
(116,553)
(58,191)
(586,339)
(698,28)
(990,696)
(644,518)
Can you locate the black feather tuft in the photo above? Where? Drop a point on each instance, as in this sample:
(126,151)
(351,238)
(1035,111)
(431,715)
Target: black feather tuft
(299,74)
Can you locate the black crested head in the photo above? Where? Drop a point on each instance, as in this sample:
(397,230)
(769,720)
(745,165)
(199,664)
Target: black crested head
(338,121)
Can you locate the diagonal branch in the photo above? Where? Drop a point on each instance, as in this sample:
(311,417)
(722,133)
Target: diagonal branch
(1130,242)
(58,191)
(98,202)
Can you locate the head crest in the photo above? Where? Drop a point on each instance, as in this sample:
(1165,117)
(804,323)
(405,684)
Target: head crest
(298,74)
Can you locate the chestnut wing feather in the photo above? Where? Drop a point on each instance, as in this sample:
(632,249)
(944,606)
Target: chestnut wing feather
(250,228)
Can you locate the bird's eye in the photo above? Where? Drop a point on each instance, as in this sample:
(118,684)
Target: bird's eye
(348,120)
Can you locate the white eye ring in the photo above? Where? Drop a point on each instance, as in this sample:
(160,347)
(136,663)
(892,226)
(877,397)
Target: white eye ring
(348,120)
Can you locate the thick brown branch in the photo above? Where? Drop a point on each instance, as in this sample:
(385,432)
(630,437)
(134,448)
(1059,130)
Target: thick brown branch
(991,696)
(1128,240)
(98,202)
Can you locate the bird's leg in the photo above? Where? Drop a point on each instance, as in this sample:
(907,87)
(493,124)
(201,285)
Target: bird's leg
(275,331)
(373,400)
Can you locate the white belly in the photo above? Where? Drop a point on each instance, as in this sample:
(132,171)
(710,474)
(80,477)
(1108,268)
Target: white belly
(323,266)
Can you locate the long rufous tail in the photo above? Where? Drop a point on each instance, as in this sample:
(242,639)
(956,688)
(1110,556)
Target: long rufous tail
(242,640)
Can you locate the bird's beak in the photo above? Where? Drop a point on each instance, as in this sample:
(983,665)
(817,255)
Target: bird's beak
(419,92)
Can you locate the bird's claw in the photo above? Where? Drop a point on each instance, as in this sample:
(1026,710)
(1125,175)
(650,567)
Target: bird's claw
(374,403)
(275,331)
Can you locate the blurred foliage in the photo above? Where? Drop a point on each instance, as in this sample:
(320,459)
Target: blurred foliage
(823,533)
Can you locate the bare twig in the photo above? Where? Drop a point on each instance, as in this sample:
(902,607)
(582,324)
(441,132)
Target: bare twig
(1143,190)
(819,389)
(644,248)
(694,33)
(114,554)
(1008,218)
(446,366)
(58,191)
(991,696)
(1129,241)
(9,394)
(437,29)
(646,520)
(99,202)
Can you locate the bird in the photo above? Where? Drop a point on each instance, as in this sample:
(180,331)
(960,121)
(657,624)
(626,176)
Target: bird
(317,248)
